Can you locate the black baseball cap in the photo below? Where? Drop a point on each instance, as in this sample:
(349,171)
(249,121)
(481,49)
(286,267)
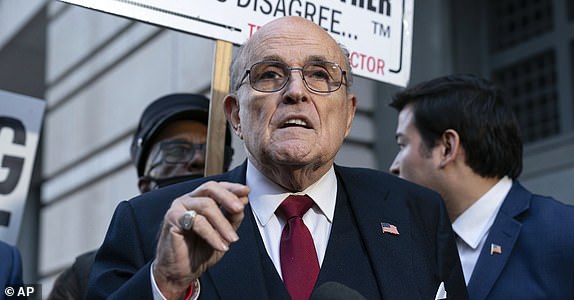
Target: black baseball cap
(158,114)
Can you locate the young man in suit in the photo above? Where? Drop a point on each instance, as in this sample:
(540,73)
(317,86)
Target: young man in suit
(458,135)
(288,220)
(167,147)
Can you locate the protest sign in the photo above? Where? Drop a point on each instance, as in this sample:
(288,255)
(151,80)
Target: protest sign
(20,123)
(378,33)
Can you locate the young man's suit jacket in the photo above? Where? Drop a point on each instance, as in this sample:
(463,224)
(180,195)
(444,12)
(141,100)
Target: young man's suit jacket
(10,266)
(536,239)
(378,265)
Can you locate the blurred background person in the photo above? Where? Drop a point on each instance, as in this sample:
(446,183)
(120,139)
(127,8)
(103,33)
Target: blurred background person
(10,266)
(458,135)
(167,147)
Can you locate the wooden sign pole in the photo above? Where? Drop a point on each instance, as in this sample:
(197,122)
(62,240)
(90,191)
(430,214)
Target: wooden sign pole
(216,123)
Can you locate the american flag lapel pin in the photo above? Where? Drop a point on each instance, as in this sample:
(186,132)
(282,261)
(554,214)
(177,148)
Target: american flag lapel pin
(389,228)
(495,249)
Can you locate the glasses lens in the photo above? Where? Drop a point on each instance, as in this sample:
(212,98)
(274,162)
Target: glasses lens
(268,76)
(319,76)
(179,151)
(322,76)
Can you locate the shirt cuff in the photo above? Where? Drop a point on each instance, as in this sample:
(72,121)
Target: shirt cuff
(193,290)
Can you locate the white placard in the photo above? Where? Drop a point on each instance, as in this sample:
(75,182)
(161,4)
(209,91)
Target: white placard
(20,123)
(378,33)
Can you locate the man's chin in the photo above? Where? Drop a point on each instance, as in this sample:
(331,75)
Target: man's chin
(293,157)
(294,135)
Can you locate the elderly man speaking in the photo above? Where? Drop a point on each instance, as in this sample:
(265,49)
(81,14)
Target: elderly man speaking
(288,220)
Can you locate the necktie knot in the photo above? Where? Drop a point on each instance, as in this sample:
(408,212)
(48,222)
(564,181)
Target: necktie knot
(295,206)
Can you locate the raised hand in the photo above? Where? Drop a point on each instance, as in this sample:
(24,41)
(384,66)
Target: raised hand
(183,255)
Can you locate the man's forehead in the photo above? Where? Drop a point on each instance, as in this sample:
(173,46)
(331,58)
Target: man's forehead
(295,51)
(407,113)
(405,122)
(293,38)
(311,57)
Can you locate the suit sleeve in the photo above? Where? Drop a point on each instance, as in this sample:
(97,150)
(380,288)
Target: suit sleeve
(448,260)
(16,273)
(10,266)
(121,269)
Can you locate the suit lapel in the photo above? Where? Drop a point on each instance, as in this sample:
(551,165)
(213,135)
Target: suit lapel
(504,233)
(345,242)
(391,255)
(246,271)
(241,274)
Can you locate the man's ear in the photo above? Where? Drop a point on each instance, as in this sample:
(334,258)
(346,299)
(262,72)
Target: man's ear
(450,147)
(231,107)
(352,109)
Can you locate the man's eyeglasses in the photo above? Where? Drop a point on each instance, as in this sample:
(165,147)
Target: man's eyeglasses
(319,76)
(176,152)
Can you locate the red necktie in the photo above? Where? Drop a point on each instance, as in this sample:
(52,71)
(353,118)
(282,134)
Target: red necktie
(299,263)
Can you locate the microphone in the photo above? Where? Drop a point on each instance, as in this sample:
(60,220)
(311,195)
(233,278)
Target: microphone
(332,290)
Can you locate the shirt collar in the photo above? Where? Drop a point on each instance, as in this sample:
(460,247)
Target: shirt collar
(266,196)
(475,222)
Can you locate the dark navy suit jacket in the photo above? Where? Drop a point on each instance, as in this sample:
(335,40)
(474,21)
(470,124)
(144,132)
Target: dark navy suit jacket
(536,236)
(378,265)
(10,266)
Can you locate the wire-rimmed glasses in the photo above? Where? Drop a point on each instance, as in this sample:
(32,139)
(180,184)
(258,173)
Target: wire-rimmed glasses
(319,76)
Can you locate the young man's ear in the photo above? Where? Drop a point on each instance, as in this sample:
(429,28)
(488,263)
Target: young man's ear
(450,146)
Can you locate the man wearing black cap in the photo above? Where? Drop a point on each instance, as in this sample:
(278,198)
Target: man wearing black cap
(169,144)
(168,147)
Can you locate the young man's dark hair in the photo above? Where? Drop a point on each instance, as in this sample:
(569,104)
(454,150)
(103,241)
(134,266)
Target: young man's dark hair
(477,110)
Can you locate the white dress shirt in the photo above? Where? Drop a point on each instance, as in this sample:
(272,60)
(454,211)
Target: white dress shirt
(473,225)
(266,196)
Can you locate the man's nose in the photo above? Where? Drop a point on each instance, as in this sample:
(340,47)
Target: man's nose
(295,90)
(197,161)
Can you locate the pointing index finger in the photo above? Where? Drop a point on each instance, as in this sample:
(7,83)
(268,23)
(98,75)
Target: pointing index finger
(230,196)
